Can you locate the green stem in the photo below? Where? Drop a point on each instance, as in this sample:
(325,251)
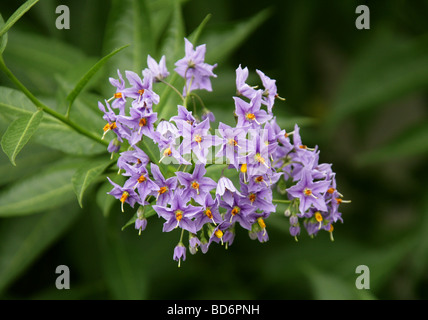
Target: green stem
(46,109)
(173,88)
(281,201)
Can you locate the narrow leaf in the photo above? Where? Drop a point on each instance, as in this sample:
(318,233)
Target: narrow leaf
(3,38)
(88,75)
(17,15)
(86,174)
(18,134)
(45,190)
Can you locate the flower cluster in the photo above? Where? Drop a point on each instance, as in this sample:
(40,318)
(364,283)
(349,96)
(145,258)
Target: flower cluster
(255,152)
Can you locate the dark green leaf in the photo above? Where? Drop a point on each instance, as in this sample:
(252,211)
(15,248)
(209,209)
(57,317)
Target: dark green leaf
(88,76)
(86,174)
(389,68)
(3,38)
(45,190)
(18,134)
(17,15)
(23,240)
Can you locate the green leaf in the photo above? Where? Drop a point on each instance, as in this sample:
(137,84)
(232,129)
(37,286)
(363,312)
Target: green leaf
(18,134)
(105,201)
(222,40)
(45,190)
(86,174)
(36,59)
(14,104)
(149,211)
(412,142)
(128,22)
(3,38)
(24,239)
(58,136)
(17,15)
(88,76)
(388,69)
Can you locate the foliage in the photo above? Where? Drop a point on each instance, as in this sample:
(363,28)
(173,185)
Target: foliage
(361,96)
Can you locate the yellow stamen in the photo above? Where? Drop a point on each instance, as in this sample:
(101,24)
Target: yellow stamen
(250,116)
(307,192)
(252,197)
(162,190)
(143,122)
(261,223)
(318,216)
(178,215)
(331,190)
(123,198)
(219,234)
(118,95)
(141,179)
(244,168)
(195,186)
(209,213)
(141,92)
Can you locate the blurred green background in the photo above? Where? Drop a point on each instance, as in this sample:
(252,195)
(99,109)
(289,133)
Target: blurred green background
(360,95)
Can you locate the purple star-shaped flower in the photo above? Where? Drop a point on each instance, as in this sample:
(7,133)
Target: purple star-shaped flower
(179,253)
(261,199)
(239,211)
(141,90)
(196,186)
(193,68)
(139,178)
(124,194)
(209,212)
(309,193)
(141,121)
(250,113)
(233,143)
(197,139)
(180,214)
(158,70)
(218,233)
(136,157)
(119,97)
(166,186)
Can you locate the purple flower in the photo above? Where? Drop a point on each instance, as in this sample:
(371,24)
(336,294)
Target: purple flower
(141,90)
(250,113)
(184,115)
(194,243)
(179,214)
(166,186)
(209,212)
(114,146)
(309,193)
(124,194)
(270,92)
(195,184)
(240,211)
(139,178)
(232,144)
(226,189)
(242,88)
(179,253)
(218,232)
(119,97)
(193,68)
(158,71)
(197,139)
(140,225)
(141,122)
(136,158)
(260,199)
